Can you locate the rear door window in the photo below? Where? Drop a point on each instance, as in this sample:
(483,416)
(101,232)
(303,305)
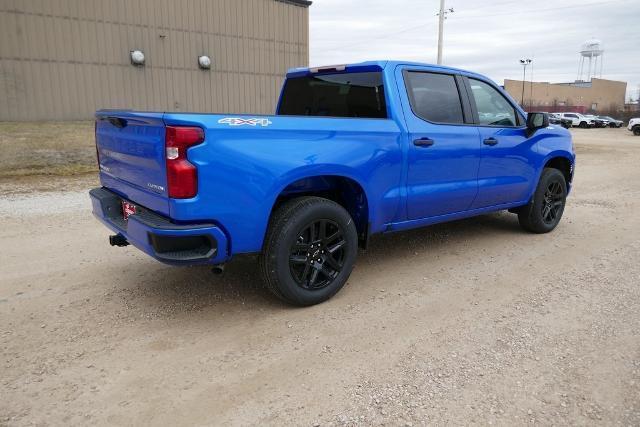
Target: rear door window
(434,97)
(335,95)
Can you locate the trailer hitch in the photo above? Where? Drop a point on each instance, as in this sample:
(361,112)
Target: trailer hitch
(118,240)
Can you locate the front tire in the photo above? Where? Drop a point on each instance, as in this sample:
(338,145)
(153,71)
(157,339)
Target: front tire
(636,130)
(543,213)
(309,252)
(584,125)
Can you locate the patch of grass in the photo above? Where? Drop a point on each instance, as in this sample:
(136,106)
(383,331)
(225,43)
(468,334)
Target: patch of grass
(57,170)
(47,148)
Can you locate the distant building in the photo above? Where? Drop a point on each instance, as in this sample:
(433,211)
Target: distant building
(597,95)
(63,59)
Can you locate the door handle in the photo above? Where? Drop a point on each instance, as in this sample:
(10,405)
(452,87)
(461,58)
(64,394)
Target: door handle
(490,141)
(423,142)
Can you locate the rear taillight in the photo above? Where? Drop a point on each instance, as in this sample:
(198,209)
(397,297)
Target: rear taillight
(182,176)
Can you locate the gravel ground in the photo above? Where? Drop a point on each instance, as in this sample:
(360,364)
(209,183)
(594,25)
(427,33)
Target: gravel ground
(472,322)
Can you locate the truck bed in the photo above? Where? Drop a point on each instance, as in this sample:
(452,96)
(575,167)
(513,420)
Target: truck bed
(268,152)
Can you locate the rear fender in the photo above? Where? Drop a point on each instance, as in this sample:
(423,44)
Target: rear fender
(313,171)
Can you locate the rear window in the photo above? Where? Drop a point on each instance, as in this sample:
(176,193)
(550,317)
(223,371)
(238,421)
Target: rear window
(434,97)
(335,95)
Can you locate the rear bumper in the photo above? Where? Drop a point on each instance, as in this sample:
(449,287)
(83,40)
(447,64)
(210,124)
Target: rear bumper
(170,243)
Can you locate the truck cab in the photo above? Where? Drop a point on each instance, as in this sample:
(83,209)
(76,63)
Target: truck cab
(352,151)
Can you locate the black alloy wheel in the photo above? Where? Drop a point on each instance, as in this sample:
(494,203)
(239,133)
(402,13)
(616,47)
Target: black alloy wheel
(543,212)
(317,256)
(553,202)
(309,251)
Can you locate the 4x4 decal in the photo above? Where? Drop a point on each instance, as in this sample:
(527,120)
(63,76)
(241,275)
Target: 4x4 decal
(238,121)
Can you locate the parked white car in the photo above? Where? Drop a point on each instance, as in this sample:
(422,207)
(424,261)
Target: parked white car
(578,119)
(634,126)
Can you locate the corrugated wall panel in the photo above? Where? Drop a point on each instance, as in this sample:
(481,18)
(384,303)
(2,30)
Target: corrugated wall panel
(63,59)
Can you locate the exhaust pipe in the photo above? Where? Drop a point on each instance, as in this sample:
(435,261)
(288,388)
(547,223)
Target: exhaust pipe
(218,269)
(118,240)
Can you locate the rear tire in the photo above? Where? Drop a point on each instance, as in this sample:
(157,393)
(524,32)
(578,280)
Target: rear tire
(543,213)
(636,130)
(309,252)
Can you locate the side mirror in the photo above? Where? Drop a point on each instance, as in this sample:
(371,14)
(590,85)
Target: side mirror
(536,121)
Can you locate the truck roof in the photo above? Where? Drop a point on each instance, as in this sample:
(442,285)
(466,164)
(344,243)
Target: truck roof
(371,66)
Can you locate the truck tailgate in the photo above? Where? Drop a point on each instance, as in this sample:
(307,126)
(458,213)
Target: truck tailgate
(131,154)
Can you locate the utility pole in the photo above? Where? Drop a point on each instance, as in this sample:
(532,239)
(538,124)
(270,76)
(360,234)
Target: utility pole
(524,63)
(442,15)
(440,30)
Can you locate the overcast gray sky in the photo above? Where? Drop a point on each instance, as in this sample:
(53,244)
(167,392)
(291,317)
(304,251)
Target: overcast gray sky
(484,36)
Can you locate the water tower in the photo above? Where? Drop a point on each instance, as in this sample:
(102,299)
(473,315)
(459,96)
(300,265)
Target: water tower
(592,52)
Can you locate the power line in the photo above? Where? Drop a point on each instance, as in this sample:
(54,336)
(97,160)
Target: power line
(424,26)
(493,5)
(549,9)
(383,36)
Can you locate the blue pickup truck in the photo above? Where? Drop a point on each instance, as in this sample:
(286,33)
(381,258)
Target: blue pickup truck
(352,151)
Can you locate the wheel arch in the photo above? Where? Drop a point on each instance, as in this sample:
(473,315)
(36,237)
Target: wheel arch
(344,189)
(563,163)
(562,160)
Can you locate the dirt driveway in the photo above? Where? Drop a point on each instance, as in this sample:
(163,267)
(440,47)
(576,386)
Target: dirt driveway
(473,322)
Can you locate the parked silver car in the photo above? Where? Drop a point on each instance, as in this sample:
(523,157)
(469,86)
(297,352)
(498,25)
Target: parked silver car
(612,123)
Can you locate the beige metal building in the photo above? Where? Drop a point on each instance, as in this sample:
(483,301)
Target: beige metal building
(63,59)
(598,95)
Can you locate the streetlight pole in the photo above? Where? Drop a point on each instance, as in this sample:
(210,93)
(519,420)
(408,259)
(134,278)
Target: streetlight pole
(531,85)
(524,63)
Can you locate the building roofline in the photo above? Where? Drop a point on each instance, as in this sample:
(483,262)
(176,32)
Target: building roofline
(574,83)
(302,3)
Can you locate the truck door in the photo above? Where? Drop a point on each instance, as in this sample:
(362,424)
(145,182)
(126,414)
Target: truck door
(506,171)
(444,148)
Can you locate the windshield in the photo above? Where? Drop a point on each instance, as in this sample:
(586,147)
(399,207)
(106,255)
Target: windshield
(335,95)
